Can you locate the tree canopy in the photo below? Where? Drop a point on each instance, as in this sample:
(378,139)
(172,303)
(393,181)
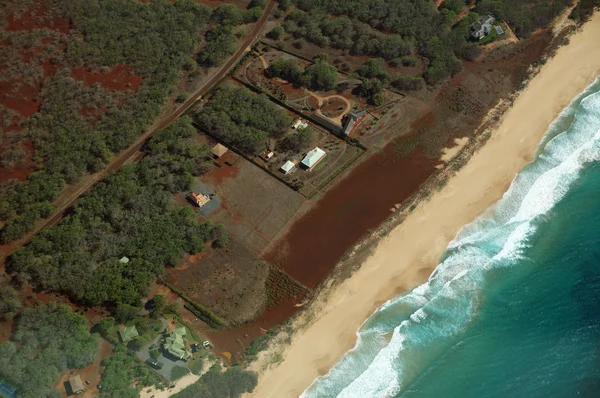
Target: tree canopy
(124,376)
(156,40)
(130,214)
(48,340)
(243,118)
(217,384)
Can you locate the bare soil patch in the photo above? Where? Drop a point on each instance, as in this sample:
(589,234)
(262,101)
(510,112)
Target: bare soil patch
(254,206)
(367,196)
(118,78)
(229,281)
(37,17)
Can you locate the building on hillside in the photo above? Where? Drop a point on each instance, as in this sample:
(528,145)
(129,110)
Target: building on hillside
(313,158)
(198,199)
(76,385)
(174,344)
(219,150)
(128,333)
(299,124)
(124,260)
(327,123)
(483,27)
(287,167)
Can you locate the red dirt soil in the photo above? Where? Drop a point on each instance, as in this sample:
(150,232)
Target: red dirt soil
(25,101)
(37,17)
(20,173)
(119,78)
(237,339)
(356,205)
(218,174)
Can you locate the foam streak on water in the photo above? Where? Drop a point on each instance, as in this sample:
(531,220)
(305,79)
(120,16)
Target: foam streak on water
(431,319)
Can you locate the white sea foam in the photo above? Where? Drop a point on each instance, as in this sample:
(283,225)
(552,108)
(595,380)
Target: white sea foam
(427,320)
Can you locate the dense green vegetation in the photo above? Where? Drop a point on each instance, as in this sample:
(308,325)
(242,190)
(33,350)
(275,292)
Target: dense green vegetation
(48,340)
(218,384)
(157,40)
(396,29)
(299,141)
(318,76)
(523,16)
(221,38)
(584,10)
(128,214)
(407,83)
(124,376)
(243,118)
(9,300)
(178,372)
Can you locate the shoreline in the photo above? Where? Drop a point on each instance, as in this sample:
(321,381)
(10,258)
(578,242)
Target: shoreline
(408,254)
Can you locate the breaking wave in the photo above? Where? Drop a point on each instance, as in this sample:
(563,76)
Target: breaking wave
(397,343)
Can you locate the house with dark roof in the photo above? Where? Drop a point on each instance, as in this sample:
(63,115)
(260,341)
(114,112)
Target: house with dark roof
(327,123)
(483,27)
(351,119)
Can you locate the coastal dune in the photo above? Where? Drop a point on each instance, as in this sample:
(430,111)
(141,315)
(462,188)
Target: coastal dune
(406,257)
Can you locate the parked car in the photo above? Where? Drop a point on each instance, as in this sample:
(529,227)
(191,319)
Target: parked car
(154,363)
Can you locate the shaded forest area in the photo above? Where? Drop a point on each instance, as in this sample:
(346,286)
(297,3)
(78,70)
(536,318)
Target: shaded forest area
(394,30)
(156,40)
(48,340)
(243,118)
(129,214)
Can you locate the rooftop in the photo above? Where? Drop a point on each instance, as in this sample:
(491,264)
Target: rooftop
(287,166)
(219,150)
(76,384)
(128,333)
(313,157)
(327,123)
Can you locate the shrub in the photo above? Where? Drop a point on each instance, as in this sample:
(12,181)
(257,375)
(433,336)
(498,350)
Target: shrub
(178,372)
(408,83)
(276,33)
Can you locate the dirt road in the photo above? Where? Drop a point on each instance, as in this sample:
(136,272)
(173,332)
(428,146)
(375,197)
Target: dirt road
(66,201)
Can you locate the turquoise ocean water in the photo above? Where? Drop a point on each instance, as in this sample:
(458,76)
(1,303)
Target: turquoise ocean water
(513,308)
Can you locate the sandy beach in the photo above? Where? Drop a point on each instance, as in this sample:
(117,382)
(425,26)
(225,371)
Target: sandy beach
(408,254)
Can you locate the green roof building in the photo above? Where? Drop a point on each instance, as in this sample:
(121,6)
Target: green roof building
(128,333)
(175,345)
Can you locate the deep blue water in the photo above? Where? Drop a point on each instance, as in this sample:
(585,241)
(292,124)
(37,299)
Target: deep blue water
(513,308)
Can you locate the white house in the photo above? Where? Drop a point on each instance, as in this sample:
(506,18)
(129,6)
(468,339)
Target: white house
(299,124)
(313,158)
(287,167)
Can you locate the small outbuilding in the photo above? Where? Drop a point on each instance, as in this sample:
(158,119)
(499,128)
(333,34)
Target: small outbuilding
(76,385)
(287,167)
(124,260)
(299,124)
(128,333)
(268,155)
(313,158)
(219,150)
(198,199)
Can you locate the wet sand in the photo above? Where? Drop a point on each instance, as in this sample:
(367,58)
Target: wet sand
(406,256)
